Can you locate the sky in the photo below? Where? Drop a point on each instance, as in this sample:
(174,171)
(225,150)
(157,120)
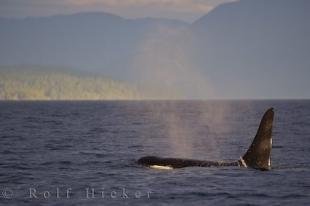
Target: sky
(186,10)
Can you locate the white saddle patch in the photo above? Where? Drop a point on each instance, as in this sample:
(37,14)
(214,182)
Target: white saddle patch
(243,162)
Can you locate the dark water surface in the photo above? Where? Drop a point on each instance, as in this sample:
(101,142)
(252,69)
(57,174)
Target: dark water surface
(80,146)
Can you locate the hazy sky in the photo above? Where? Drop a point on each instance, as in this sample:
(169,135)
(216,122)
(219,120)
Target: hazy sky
(187,10)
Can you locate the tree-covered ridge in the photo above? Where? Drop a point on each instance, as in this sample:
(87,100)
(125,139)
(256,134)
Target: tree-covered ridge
(42,84)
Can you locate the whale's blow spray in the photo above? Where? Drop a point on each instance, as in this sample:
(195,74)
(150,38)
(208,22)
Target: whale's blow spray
(166,70)
(164,67)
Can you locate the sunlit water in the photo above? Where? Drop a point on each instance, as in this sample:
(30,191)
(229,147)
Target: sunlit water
(80,146)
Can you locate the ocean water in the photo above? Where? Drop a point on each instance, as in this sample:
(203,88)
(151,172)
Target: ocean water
(85,152)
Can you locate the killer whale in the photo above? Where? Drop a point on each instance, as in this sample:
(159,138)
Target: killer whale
(257,156)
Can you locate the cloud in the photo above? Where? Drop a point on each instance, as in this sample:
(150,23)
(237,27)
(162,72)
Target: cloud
(187,10)
(180,5)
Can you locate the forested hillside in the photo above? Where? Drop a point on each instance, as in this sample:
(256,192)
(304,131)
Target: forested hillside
(43,84)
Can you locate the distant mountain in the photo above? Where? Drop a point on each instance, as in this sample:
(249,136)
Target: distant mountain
(58,84)
(241,49)
(256,48)
(94,41)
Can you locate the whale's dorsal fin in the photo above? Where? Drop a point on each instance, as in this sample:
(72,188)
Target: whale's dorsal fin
(258,154)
